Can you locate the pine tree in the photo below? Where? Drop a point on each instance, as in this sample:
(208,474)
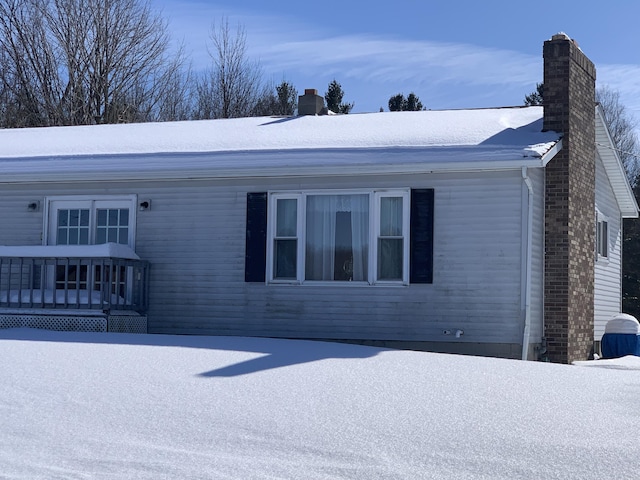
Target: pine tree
(535,98)
(287,98)
(413,103)
(398,103)
(333,97)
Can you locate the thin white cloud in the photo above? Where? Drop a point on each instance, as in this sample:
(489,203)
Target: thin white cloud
(453,74)
(392,60)
(625,79)
(285,44)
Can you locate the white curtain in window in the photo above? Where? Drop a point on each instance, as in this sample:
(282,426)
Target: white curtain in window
(360,236)
(321,235)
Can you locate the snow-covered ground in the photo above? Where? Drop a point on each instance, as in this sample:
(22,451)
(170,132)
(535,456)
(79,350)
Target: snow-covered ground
(115,406)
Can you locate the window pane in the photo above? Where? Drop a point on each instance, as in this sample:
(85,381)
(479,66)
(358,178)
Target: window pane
(62,236)
(113,217)
(390,259)
(284,262)
(287,215)
(63,218)
(73,236)
(84,236)
(74,218)
(84,218)
(391,216)
(101,218)
(337,237)
(112,225)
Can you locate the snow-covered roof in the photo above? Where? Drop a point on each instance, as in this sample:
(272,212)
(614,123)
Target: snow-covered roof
(402,142)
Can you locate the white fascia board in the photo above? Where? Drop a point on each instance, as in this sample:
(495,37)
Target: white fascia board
(552,152)
(289,163)
(614,168)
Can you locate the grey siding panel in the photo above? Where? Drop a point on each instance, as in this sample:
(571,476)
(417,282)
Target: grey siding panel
(537,264)
(194,238)
(18,226)
(607,282)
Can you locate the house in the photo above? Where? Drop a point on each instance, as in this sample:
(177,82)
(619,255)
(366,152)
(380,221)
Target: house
(485,231)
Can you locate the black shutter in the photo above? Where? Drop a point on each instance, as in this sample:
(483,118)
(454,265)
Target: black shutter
(421,242)
(255,259)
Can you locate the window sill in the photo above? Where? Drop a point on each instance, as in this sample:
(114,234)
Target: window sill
(339,284)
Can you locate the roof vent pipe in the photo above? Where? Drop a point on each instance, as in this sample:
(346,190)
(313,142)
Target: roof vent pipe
(311,103)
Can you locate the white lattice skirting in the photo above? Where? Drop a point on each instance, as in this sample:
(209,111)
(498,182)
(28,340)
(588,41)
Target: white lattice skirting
(77,323)
(127,323)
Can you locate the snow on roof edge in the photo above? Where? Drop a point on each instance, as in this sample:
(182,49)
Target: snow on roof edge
(105,250)
(513,125)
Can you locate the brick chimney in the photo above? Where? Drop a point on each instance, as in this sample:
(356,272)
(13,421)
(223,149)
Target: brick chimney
(310,103)
(569,108)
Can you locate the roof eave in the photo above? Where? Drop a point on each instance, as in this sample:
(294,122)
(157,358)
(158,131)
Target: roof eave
(615,170)
(361,161)
(552,152)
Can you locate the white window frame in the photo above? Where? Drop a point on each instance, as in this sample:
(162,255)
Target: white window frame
(374,229)
(406,218)
(602,237)
(271,235)
(93,203)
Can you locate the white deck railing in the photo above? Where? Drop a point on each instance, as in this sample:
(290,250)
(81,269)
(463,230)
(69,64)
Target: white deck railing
(98,278)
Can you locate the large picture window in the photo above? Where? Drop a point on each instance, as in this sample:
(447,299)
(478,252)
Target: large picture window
(339,237)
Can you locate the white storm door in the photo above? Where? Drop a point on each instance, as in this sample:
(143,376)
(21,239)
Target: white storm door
(90,222)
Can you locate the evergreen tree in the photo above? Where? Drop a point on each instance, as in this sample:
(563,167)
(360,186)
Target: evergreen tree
(333,97)
(413,103)
(287,98)
(398,103)
(279,100)
(535,98)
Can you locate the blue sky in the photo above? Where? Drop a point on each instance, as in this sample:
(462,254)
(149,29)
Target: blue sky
(452,54)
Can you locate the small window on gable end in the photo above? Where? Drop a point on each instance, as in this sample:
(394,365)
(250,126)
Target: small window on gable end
(602,238)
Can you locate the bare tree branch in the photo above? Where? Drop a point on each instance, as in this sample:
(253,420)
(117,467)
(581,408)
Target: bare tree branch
(232,86)
(70,62)
(622,127)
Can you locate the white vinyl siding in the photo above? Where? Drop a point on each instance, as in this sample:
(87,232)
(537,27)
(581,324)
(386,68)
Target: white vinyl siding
(607,280)
(194,238)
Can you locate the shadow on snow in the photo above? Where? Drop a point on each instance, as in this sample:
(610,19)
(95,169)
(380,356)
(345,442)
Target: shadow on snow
(278,353)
